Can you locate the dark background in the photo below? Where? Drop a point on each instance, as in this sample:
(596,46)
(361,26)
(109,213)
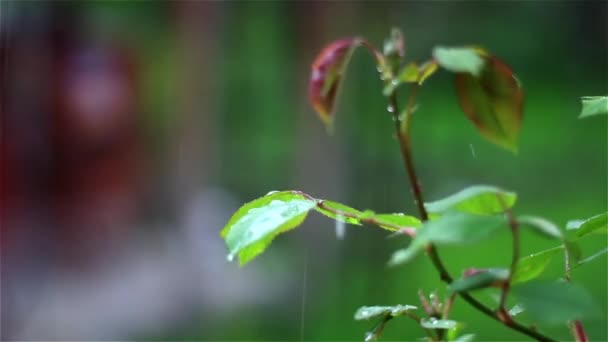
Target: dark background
(132,130)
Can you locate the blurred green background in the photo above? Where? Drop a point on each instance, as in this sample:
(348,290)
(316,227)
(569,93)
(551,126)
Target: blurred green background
(133,130)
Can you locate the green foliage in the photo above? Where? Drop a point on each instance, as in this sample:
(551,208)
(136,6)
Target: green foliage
(253,227)
(594,105)
(434,323)
(533,265)
(481,279)
(476,199)
(491,97)
(367,312)
(460,60)
(453,228)
(554,302)
(595,224)
(541,226)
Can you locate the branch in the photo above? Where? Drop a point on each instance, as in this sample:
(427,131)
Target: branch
(404,144)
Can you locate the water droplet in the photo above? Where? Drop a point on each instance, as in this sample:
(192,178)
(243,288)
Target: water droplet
(379,68)
(230,257)
(390,109)
(395,82)
(473,151)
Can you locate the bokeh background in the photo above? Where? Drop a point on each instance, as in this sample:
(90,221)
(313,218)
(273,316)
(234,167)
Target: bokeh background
(132,130)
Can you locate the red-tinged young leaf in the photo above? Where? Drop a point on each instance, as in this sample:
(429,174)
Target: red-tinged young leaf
(327,73)
(493,101)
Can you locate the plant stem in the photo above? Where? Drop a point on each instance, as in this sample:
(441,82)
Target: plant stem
(576,327)
(404,144)
(502,310)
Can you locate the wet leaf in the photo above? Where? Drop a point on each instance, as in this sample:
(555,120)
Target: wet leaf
(594,105)
(453,228)
(481,279)
(534,265)
(594,224)
(477,199)
(541,226)
(426,70)
(493,101)
(388,221)
(367,312)
(409,74)
(253,227)
(434,323)
(555,302)
(592,257)
(341,208)
(460,60)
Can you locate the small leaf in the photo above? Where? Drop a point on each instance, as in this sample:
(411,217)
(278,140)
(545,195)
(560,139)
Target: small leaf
(594,105)
(541,226)
(409,74)
(516,310)
(405,255)
(253,227)
(453,228)
(426,70)
(555,302)
(477,199)
(460,60)
(595,224)
(457,228)
(326,76)
(533,265)
(367,312)
(465,338)
(341,208)
(493,101)
(592,257)
(434,323)
(389,221)
(482,279)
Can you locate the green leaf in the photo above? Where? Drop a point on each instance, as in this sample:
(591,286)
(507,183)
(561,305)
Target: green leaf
(408,74)
(453,228)
(592,257)
(533,265)
(476,199)
(541,226)
(389,221)
(594,105)
(367,312)
(426,70)
(482,279)
(555,302)
(459,60)
(405,255)
(493,101)
(434,323)
(465,338)
(340,208)
(253,227)
(595,224)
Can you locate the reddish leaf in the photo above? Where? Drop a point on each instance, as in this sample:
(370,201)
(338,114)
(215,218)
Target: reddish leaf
(493,102)
(326,76)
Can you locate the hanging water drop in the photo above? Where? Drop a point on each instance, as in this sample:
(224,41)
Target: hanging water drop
(230,257)
(390,108)
(395,82)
